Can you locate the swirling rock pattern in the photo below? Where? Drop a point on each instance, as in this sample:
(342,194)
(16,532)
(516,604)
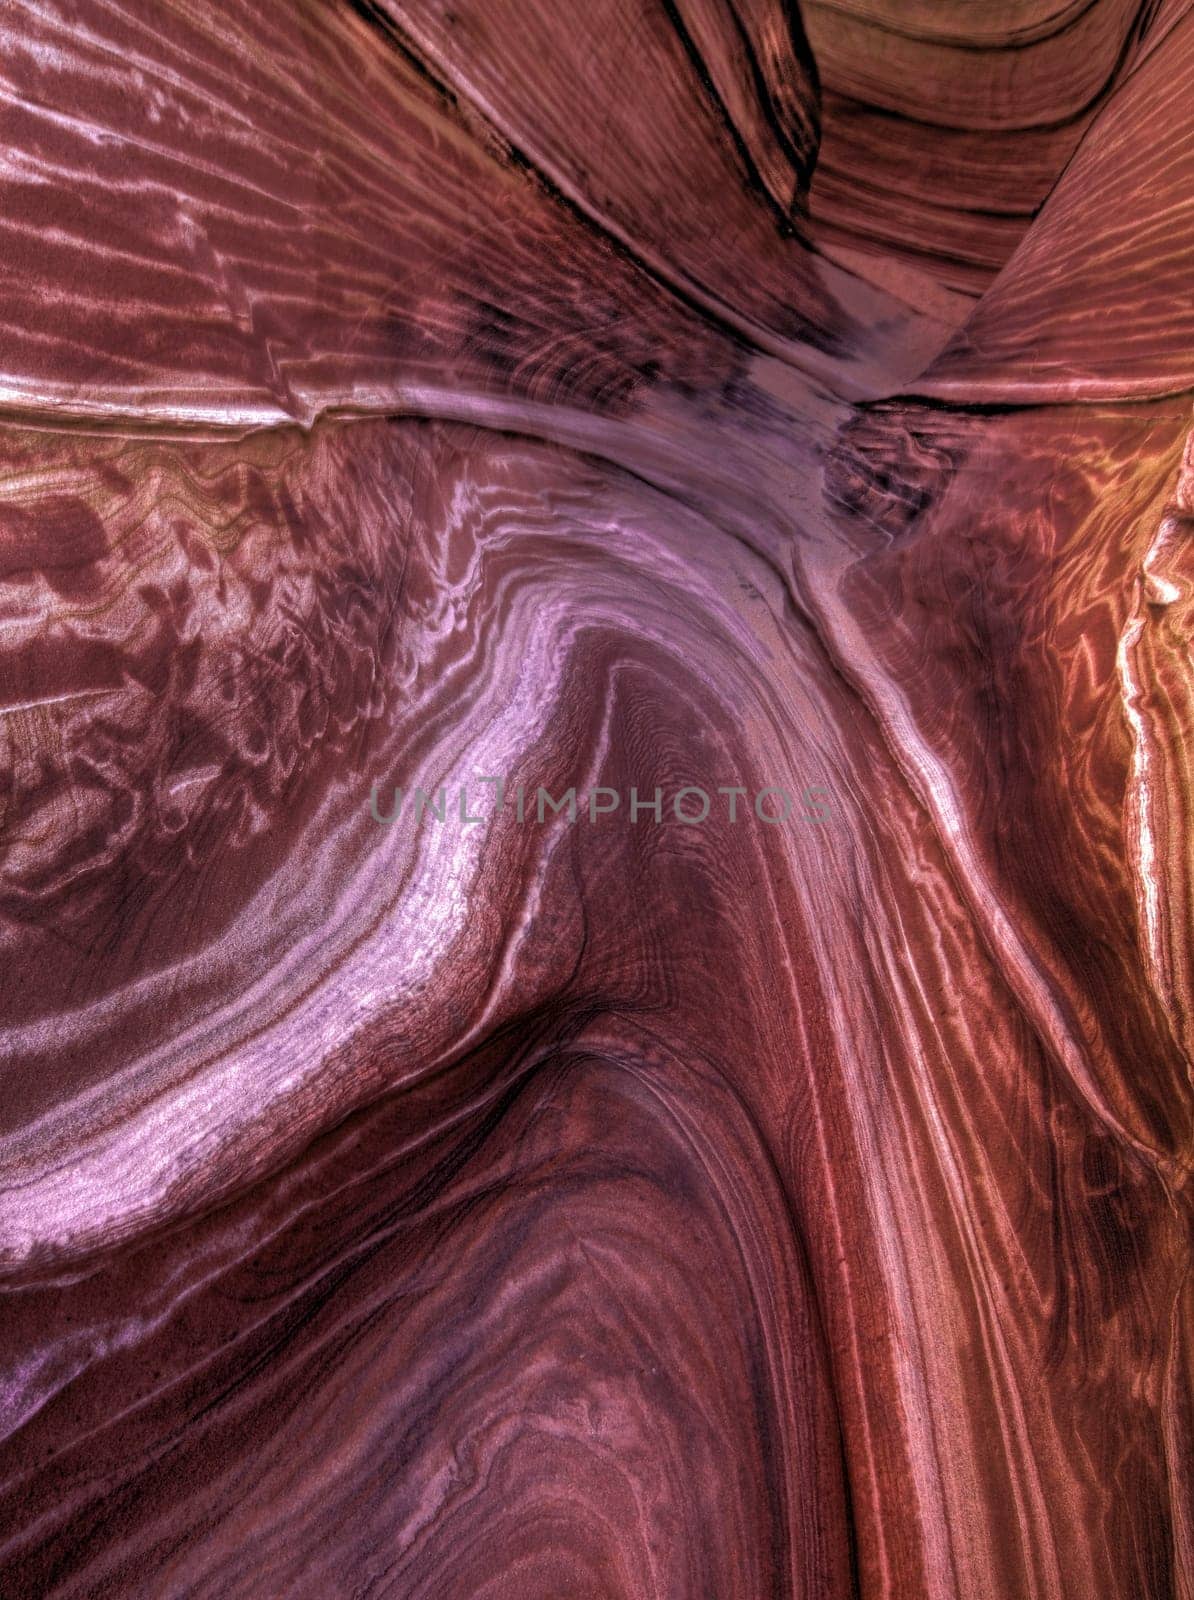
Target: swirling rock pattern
(947,125)
(400,395)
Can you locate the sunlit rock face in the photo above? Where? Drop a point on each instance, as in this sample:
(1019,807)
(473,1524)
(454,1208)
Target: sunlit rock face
(450,1195)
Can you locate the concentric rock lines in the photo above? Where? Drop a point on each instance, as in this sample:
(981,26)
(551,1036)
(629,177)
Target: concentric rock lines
(613,400)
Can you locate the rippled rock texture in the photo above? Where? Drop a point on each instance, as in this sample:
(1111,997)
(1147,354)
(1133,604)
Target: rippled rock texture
(628,396)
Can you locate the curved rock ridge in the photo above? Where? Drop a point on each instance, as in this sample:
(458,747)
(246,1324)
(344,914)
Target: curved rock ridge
(1095,303)
(241,220)
(946,126)
(595,809)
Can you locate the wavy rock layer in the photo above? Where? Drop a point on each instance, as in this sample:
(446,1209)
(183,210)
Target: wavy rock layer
(499,1202)
(947,125)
